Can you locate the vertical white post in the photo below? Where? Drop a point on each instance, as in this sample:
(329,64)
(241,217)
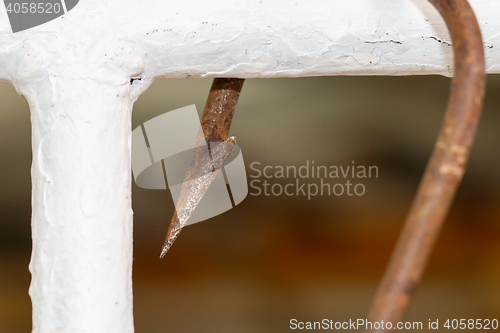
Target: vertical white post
(82,218)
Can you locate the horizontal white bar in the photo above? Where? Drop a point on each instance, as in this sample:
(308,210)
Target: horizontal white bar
(253,38)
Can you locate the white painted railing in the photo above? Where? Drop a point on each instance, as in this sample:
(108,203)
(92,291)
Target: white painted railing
(76,71)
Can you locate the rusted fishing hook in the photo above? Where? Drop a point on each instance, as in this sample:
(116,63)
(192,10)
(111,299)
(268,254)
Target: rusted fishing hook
(202,169)
(444,170)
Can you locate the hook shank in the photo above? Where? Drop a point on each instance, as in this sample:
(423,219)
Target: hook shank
(444,170)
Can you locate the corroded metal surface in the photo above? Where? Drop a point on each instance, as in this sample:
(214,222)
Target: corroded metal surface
(220,107)
(444,170)
(204,165)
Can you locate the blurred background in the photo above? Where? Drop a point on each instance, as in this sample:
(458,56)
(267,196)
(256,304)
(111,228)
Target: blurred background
(275,258)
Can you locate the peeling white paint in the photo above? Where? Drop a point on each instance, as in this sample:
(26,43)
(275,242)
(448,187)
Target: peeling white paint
(259,38)
(75,72)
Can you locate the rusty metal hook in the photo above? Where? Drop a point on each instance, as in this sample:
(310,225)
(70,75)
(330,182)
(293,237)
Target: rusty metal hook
(444,170)
(441,178)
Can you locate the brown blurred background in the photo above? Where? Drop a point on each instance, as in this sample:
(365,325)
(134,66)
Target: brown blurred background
(271,259)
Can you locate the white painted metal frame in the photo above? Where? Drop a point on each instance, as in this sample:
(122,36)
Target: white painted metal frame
(76,74)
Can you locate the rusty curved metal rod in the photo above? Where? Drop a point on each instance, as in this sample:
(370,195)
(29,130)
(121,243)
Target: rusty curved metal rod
(444,170)
(202,170)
